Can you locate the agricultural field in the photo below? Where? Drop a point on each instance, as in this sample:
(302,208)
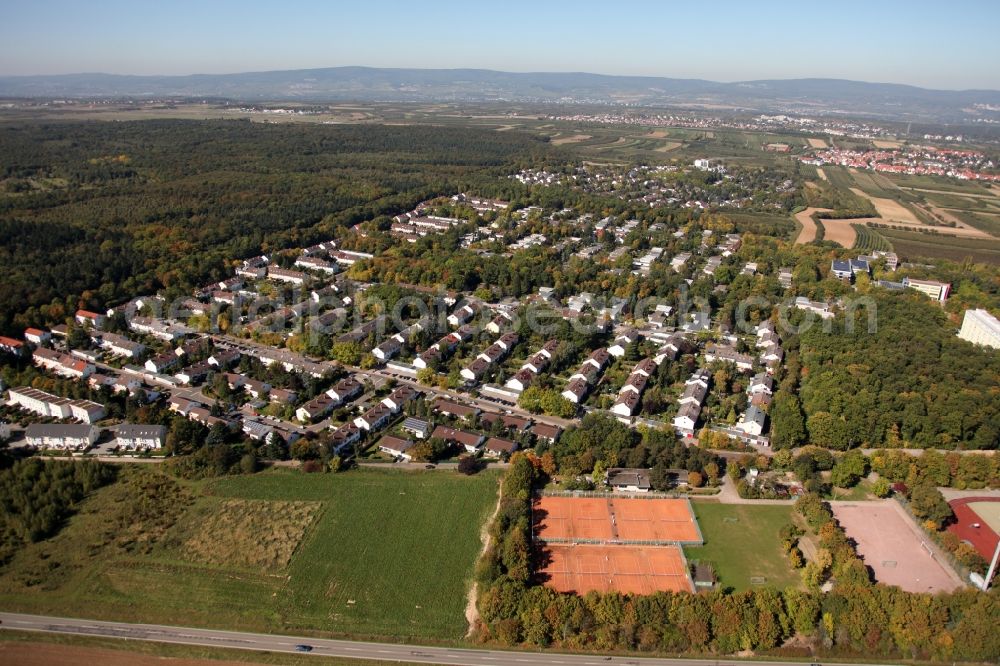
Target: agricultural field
(911,245)
(326,554)
(731,531)
(870,240)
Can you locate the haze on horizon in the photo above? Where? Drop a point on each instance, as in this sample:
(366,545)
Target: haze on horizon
(928,44)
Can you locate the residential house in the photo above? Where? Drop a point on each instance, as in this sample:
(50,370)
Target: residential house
(761,383)
(469,441)
(62,364)
(316,408)
(687,418)
(134,436)
(285,275)
(475,370)
(499,323)
(162,362)
(398,398)
(344,437)
(64,436)
(576,389)
(396,447)
(546,432)
(37,336)
(753,420)
(374,418)
(521,379)
(194,373)
(317,264)
(622,341)
(224,358)
(462,314)
(449,408)
(90,319)
(497,447)
(626,403)
(417,427)
(344,390)
(388,349)
(724,354)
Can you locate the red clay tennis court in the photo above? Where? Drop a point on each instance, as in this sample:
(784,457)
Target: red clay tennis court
(627,569)
(611,519)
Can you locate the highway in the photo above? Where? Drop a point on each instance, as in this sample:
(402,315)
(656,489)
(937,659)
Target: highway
(336,648)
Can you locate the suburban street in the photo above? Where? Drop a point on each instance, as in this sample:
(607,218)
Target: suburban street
(338,648)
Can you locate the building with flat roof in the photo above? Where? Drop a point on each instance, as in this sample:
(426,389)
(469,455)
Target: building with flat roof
(981,328)
(937,290)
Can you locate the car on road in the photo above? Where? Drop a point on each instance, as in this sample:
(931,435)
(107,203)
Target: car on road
(302,647)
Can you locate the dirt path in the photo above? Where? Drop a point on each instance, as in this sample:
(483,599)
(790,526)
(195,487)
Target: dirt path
(972,195)
(471,607)
(821,173)
(729,495)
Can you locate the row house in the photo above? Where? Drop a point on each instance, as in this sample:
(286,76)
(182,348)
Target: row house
(691,401)
(64,436)
(590,370)
(63,365)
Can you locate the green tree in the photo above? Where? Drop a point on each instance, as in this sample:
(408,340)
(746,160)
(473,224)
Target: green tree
(788,426)
(828,431)
(928,503)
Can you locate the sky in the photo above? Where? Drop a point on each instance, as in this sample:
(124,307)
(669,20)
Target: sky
(933,44)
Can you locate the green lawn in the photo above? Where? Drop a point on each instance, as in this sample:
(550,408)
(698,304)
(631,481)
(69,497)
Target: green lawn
(746,547)
(390,553)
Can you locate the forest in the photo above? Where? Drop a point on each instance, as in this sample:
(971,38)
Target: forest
(910,383)
(95,213)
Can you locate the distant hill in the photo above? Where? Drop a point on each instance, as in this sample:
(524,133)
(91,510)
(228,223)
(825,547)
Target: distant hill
(813,96)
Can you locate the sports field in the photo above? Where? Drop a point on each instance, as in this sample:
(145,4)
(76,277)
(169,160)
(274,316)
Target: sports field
(893,547)
(743,544)
(977,520)
(362,553)
(615,519)
(626,569)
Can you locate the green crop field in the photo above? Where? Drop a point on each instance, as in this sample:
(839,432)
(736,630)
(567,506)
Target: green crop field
(743,544)
(912,245)
(378,553)
(982,221)
(869,239)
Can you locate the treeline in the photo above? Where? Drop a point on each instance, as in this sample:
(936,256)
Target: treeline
(856,619)
(37,496)
(605,440)
(112,210)
(910,383)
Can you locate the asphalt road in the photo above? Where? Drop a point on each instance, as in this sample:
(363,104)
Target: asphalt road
(325,647)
